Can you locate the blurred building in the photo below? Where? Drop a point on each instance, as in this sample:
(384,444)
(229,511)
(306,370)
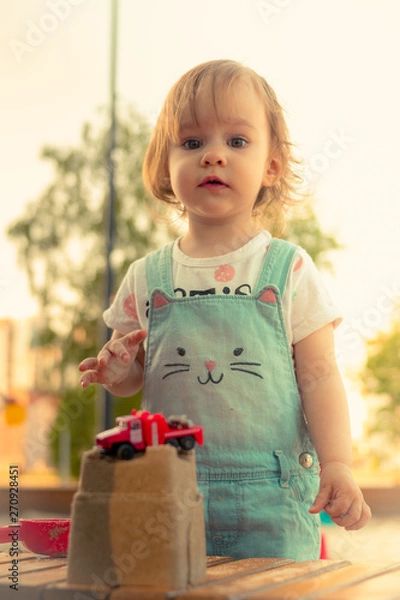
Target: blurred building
(27,372)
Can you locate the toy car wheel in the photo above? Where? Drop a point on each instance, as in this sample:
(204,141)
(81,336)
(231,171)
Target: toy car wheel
(187,442)
(125,452)
(173,442)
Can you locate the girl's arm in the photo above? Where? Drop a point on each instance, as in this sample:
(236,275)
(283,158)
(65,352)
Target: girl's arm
(119,364)
(326,410)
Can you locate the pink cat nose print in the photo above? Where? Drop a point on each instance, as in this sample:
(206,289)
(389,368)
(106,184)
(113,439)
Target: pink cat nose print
(210,364)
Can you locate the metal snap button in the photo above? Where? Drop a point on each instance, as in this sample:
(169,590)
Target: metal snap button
(306,460)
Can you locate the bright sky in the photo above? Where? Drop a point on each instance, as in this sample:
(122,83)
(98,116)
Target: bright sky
(334,65)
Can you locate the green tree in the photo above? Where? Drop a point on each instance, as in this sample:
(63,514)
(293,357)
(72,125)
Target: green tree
(60,241)
(381,376)
(305,231)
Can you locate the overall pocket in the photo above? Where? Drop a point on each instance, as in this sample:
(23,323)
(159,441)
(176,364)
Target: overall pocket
(276,522)
(261,517)
(224,507)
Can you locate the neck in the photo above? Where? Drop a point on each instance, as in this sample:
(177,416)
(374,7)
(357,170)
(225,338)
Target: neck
(215,240)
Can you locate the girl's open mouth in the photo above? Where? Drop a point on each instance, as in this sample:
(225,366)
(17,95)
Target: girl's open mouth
(213,183)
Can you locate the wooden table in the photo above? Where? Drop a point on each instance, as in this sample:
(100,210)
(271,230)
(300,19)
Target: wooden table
(41,578)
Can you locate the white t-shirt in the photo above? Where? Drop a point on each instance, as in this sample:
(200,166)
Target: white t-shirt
(307,305)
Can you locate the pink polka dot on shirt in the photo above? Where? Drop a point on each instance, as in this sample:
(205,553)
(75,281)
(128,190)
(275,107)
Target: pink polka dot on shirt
(130,307)
(298,264)
(224,273)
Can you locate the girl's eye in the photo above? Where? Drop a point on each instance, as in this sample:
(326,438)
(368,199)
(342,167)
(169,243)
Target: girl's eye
(192,144)
(237,142)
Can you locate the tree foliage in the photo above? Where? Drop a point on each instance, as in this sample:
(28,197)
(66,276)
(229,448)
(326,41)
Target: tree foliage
(381,376)
(305,231)
(60,239)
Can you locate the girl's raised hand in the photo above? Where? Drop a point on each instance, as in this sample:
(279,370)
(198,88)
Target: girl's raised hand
(114,361)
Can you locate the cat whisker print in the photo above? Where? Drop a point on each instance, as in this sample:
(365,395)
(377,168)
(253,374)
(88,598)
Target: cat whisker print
(239,366)
(179,368)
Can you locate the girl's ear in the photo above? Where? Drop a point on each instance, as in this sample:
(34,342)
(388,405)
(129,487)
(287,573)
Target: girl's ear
(273,172)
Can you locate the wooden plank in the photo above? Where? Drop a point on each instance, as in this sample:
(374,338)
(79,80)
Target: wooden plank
(316,584)
(246,584)
(383,583)
(247,566)
(33,572)
(128,592)
(217,560)
(43,578)
(65,591)
(5,557)
(31,581)
(32,563)
(384,587)
(220,572)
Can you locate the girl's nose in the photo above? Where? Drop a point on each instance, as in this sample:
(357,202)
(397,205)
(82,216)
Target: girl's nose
(213,157)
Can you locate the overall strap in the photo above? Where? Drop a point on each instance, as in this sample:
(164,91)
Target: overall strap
(159,270)
(277,263)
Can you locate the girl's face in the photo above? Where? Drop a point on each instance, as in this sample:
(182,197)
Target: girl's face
(220,161)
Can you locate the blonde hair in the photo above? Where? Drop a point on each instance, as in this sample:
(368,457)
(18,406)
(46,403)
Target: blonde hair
(272,201)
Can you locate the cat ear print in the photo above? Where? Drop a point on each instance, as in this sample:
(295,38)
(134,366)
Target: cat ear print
(159,300)
(268,297)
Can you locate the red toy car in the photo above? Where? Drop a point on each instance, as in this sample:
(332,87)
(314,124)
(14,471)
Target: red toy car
(135,432)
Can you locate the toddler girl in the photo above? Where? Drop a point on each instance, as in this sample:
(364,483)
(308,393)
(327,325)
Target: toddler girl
(233,327)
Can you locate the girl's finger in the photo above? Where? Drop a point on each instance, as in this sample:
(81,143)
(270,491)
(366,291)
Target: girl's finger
(118,350)
(347,516)
(136,337)
(87,363)
(363,520)
(320,501)
(351,515)
(88,378)
(104,356)
(132,342)
(337,508)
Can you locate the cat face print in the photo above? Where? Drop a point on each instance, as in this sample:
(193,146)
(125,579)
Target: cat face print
(212,343)
(212,371)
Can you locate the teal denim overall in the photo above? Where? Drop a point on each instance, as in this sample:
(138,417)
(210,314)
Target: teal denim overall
(225,362)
